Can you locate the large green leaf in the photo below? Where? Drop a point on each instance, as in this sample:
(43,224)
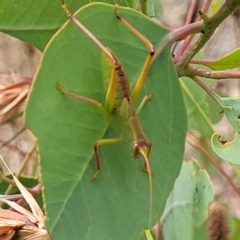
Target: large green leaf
(186,208)
(116,204)
(36,21)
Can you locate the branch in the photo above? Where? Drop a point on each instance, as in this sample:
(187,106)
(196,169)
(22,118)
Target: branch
(207,89)
(210,25)
(213,74)
(178,34)
(187,40)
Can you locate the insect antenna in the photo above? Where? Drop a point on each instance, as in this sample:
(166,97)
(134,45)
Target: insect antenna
(149,171)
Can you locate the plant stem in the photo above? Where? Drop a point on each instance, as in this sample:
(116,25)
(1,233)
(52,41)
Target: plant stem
(210,25)
(208,90)
(213,74)
(25,161)
(187,41)
(179,33)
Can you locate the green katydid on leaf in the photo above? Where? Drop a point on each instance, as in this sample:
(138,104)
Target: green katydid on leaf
(119,103)
(116,204)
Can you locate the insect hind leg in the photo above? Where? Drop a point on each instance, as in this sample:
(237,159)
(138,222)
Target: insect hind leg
(99,143)
(142,76)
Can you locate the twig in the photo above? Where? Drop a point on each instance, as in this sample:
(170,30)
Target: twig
(191,11)
(12,138)
(207,89)
(179,33)
(22,167)
(210,25)
(187,41)
(213,74)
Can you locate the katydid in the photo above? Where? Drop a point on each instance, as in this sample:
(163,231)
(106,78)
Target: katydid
(119,99)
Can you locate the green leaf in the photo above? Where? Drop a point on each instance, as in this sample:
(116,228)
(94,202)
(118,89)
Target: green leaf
(154,9)
(26,181)
(215,6)
(186,208)
(235,225)
(229,61)
(150,9)
(214,110)
(36,21)
(231,109)
(197,107)
(229,151)
(201,233)
(116,204)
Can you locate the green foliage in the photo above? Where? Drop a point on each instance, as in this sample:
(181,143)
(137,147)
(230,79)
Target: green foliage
(229,61)
(117,205)
(231,108)
(215,6)
(186,207)
(154,9)
(235,225)
(36,21)
(29,182)
(229,150)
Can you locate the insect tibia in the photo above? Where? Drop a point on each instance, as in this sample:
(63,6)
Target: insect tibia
(64,7)
(59,88)
(141,145)
(144,151)
(117,11)
(141,79)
